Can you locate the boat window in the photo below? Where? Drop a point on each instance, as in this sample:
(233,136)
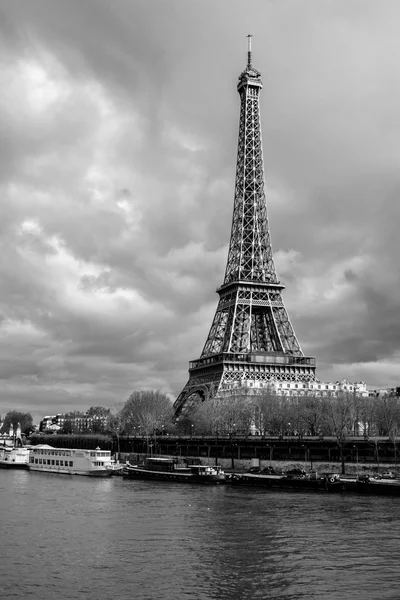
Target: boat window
(61,463)
(57,463)
(40,461)
(52,462)
(48,461)
(71,463)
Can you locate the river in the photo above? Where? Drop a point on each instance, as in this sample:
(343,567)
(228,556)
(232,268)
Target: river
(73,537)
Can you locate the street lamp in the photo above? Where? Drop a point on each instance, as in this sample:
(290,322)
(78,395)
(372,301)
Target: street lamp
(356,447)
(305,456)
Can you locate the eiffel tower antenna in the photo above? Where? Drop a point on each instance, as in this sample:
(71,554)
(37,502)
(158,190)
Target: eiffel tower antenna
(251,341)
(249,36)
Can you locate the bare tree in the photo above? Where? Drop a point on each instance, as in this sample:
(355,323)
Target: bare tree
(367,415)
(311,410)
(116,424)
(388,418)
(266,411)
(225,416)
(147,412)
(339,418)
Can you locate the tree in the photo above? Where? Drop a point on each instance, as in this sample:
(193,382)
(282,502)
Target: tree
(67,427)
(98,411)
(98,425)
(14,417)
(339,419)
(266,409)
(147,412)
(311,409)
(367,416)
(388,417)
(115,423)
(225,416)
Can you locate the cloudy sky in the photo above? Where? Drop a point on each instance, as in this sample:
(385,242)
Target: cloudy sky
(118,133)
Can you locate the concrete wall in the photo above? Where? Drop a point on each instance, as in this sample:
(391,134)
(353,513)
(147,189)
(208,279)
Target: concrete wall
(244,465)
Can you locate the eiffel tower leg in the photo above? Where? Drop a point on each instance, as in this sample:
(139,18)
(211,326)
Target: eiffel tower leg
(195,392)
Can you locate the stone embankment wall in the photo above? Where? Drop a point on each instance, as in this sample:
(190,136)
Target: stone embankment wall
(244,465)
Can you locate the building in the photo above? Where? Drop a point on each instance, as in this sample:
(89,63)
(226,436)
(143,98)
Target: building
(80,422)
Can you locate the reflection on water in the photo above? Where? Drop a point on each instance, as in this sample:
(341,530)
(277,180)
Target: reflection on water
(74,537)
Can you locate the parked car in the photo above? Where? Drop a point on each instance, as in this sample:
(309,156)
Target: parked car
(254,470)
(296,473)
(388,475)
(270,471)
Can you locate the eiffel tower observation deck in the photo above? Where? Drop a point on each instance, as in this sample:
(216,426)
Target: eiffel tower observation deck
(251,341)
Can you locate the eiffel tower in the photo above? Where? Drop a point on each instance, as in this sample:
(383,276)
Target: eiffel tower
(251,341)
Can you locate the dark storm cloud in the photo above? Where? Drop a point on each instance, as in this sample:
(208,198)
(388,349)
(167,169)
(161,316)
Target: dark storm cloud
(118,125)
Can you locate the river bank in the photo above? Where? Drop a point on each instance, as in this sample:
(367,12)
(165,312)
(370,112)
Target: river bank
(241,466)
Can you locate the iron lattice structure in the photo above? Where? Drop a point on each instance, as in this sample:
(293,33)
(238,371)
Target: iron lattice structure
(251,340)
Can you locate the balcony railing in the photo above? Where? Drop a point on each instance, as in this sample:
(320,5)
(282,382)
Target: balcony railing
(252,357)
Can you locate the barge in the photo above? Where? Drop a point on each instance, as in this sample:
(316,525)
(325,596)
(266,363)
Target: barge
(329,482)
(377,486)
(174,470)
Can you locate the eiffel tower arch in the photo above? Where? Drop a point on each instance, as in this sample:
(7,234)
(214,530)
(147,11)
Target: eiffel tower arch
(251,342)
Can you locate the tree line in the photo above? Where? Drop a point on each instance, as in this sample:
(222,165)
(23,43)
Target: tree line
(150,413)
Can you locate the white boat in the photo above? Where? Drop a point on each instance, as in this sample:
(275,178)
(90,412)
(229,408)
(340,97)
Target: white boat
(68,461)
(14,458)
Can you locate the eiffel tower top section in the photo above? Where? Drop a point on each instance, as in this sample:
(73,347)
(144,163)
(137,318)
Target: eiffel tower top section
(250,256)
(250,75)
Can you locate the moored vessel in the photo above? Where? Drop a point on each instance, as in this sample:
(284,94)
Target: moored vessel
(378,486)
(299,480)
(68,461)
(14,458)
(176,470)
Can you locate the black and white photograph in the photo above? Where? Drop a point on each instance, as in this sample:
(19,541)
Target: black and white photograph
(199,299)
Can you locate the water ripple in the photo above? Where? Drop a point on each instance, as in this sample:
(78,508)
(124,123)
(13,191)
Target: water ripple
(81,538)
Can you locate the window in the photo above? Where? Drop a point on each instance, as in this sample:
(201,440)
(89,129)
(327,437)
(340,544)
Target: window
(48,461)
(71,463)
(61,463)
(40,461)
(326,387)
(52,462)
(288,385)
(57,463)
(295,385)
